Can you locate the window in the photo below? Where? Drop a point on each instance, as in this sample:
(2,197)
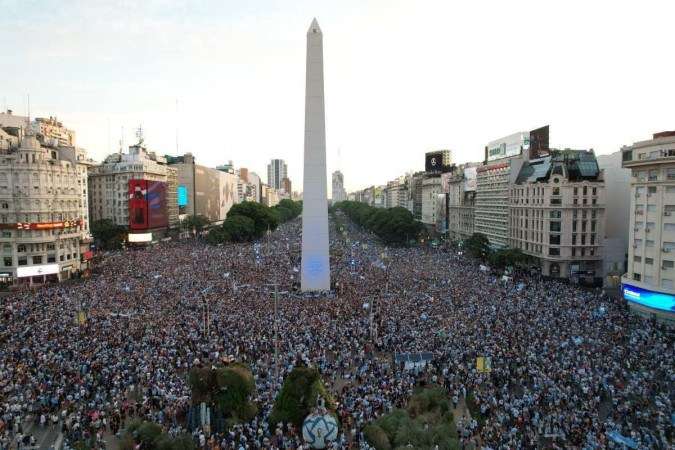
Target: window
(651,190)
(639,191)
(670,174)
(554,239)
(649,279)
(574,239)
(666,283)
(637,242)
(555,214)
(595,191)
(21,248)
(651,208)
(585,190)
(649,261)
(583,239)
(5,205)
(554,251)
(23,261)
(637,259)
(556,191)
(8,261)
(670,189)
(556,201)
(642,175)
(639,210)
(37,259)
(574,251)
(649,243)
(636,276)
(576,191)
(555,226)
(653,175)
(51,258)
(667,264)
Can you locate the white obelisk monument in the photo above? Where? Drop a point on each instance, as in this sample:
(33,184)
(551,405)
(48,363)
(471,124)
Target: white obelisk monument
(315,262)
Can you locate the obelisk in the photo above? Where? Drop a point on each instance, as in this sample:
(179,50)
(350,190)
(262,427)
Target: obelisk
(315,273)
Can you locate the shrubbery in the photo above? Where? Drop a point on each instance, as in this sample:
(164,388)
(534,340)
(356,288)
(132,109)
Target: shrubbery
(298,396)
(227,389)
(395,226)
(425,423)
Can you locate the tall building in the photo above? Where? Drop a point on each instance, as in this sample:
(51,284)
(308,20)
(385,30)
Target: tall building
(557,214)
(207,192)
(109,183)
(649,283)
(315,264)
(287,187)
(42,222)
(416,194)
(396,193)
(431,188)
(461,190)
(276,172)
(617,213)
(503,159)
(338,193)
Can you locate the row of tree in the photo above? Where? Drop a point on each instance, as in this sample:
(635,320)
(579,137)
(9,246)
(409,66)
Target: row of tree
(478,246)
(250,220)
(395,226)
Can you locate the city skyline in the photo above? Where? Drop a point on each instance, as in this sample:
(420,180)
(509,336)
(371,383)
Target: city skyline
(234,68)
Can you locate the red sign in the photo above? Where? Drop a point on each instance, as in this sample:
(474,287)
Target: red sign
(88,255)
(41,225)
(138,204)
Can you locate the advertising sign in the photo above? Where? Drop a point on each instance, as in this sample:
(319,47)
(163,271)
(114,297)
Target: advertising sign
(538,140)
(650,299)
(138,204)
(508,146)
(182,195)
(207,193)
(32,271)
(41,225)
(157,212)
(434,163)
(140,237)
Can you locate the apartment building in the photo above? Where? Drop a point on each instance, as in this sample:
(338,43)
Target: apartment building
(557,214)
(461,190)
(649,283)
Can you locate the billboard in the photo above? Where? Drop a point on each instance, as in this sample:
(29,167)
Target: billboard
(32,271)
(538,141)
(512,145)
(140,237)
(182,195)
(437,162)
(650,299)
(42,225)
(158,216)
(207,193)
(229,195)
(138,204)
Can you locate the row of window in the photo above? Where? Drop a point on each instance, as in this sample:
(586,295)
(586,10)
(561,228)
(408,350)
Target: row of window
(655,175)
(37,259)
(666,283)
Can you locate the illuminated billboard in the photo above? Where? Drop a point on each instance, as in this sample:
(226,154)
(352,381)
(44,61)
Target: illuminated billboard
(650,299)
(182,196)
(140,237)
(32,271)
(138,204)
(157,211)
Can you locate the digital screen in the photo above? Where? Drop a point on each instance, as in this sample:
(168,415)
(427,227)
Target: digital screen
(433,162)
(182,196)
(157,213)
(138,204)
(650,299)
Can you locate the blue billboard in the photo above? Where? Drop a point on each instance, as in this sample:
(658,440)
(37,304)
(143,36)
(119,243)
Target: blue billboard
(650,299)
(182,196)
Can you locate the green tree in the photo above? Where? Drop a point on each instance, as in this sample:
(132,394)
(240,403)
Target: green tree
(150,436)
(263,218)
(298,396)
(197,222)
(478,246)
(108,235)
(239,228)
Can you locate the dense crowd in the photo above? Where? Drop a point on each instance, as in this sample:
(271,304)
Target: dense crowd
(569,365)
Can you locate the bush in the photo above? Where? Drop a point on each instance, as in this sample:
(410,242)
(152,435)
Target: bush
(298,396)
(238,229)
(426,422)
(478,246)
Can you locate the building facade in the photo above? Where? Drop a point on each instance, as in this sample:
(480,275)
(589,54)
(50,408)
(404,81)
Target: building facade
(41,212)
(461,190)
(109,183)
(431,188)
(649,282)
(338,187)
(276,172)
(557,214)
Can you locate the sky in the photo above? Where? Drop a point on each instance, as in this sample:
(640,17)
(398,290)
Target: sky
(224,79)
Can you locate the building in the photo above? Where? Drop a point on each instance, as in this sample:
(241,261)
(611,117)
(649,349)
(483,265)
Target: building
(338,193)
(270,196)
(287,187)
(461,194)
(415,203)
(431,189)
(208,192)
(617,212)
(51,132)
(109,183)
(396,193)
(248,186)
(557,214)
(276,172)
(42,223)
(648,285)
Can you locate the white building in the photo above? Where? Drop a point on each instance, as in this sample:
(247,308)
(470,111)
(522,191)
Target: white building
(42,219)
(109,183)
(461,194)
(649,283)
(339,193)
(276,172)
(431,188)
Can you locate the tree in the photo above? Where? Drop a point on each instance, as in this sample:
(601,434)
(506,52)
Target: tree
(509,257)
(478,246)
(298,396)
(108,235)
(395,226)
(263,218)
(238,228)
(149,436)
(197,222)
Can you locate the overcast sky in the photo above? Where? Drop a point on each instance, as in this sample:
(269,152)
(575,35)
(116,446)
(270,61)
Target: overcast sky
(401,77)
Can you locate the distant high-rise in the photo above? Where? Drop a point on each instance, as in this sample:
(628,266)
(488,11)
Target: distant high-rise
(315,273)
(276,172)
(339,193)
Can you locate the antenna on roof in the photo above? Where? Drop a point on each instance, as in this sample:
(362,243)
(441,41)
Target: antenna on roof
(121,139)
(177,153)
(27,133)
(139,135)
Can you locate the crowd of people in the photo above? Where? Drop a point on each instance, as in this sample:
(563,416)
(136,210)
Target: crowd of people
(568,366)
